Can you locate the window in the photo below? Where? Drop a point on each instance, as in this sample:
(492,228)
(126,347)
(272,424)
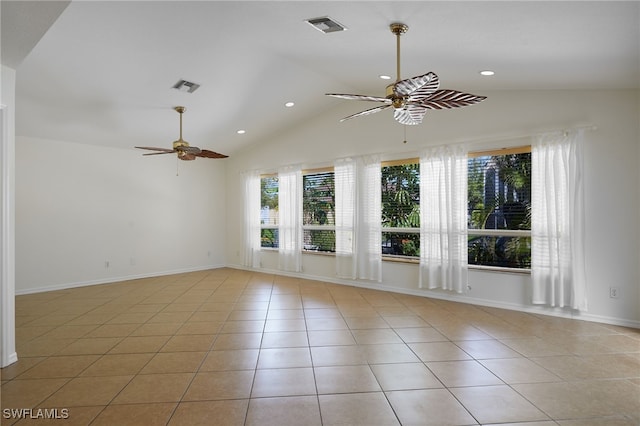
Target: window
(499,208)
(401,208)
(269,211)
(318,211)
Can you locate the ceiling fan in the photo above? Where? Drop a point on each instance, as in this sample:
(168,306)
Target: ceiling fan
(182,148)
(412,97)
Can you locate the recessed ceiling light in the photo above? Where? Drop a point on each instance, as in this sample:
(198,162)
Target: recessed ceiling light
(385,77)
(241,132)
(289,104)
(487,72)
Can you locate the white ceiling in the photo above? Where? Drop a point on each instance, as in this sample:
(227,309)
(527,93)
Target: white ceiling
(103,73)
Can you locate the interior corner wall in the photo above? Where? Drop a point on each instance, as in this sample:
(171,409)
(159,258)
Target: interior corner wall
(611,154)
(91,214)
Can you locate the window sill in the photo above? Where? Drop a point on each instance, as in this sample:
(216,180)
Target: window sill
(500,269)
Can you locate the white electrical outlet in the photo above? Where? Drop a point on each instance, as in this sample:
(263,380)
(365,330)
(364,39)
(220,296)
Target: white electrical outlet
(613,292)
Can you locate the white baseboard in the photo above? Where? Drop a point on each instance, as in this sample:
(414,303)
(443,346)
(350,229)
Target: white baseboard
(10,360)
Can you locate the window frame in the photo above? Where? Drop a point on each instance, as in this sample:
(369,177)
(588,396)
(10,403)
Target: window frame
(329,228)
(398,229)
(524,149)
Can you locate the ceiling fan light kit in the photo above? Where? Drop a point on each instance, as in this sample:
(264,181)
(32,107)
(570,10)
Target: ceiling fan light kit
(412,97)
(182,148)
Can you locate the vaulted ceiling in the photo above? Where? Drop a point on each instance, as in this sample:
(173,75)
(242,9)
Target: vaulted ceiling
(103,72)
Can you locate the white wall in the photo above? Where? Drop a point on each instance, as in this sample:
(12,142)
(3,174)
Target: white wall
(611,176)
(80,206)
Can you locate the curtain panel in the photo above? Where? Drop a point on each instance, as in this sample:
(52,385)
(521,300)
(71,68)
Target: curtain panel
(443,218)
(345,208)
(557,221)
(290,218)
(368,223)
(251,237)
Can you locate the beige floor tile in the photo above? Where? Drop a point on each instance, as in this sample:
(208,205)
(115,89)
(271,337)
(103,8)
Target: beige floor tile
(170,317)
(519,370)
(174,362)
(461,332)
(156,329)
(60,366)
(366,323)
(89,346)
(284,411)
(23,364)
(436,407)
(139,344)
(111,330)
(210,413)
(377,336)
(405,321)
(322,313)
(330,337)
(345,379)
(284,358)
(420,334)
(235,359)
(534,346)
(285,314)
(623,365)
(71,331)
(86,391)
(356,409)
(217,385)
(487,349)
(405,376)
(199,327)
(324,356)
(131,318)
(147,388)
(28,393)
(189,343)
(572,367)
(247,315)
(438,351)
(283,382)
(463,373)
(388,353)
(249,326)
(237,341)
(326,324)
(285,339)
(497,404)
(209,316)
(118,365)
(42,346)
(584,399)
(277,325)
(136,414)
(599,421)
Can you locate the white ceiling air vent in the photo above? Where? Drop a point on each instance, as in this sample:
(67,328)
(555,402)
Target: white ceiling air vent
(326,25)
(186,86)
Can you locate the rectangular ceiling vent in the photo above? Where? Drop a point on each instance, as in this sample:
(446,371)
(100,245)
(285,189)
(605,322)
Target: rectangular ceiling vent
(186,86)
(326,25)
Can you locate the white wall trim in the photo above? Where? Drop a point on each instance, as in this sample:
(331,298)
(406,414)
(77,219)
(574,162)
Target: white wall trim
(109,280)
(531,309)
(8,353)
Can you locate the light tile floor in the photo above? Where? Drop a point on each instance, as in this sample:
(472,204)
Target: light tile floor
(230,347)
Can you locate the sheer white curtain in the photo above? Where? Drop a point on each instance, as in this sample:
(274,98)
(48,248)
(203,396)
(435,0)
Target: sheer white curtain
(443,218)
(557,220)
(368,223)
(251,240)
(290,218)
(345,184)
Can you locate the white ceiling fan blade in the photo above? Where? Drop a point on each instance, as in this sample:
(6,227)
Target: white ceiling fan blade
(366,112)
(359,97)
(410,115)
(418,87)
(446,99)
(159,153)
(151,148)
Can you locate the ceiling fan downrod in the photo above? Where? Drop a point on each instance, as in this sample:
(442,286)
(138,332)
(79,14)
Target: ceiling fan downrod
(398,29)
